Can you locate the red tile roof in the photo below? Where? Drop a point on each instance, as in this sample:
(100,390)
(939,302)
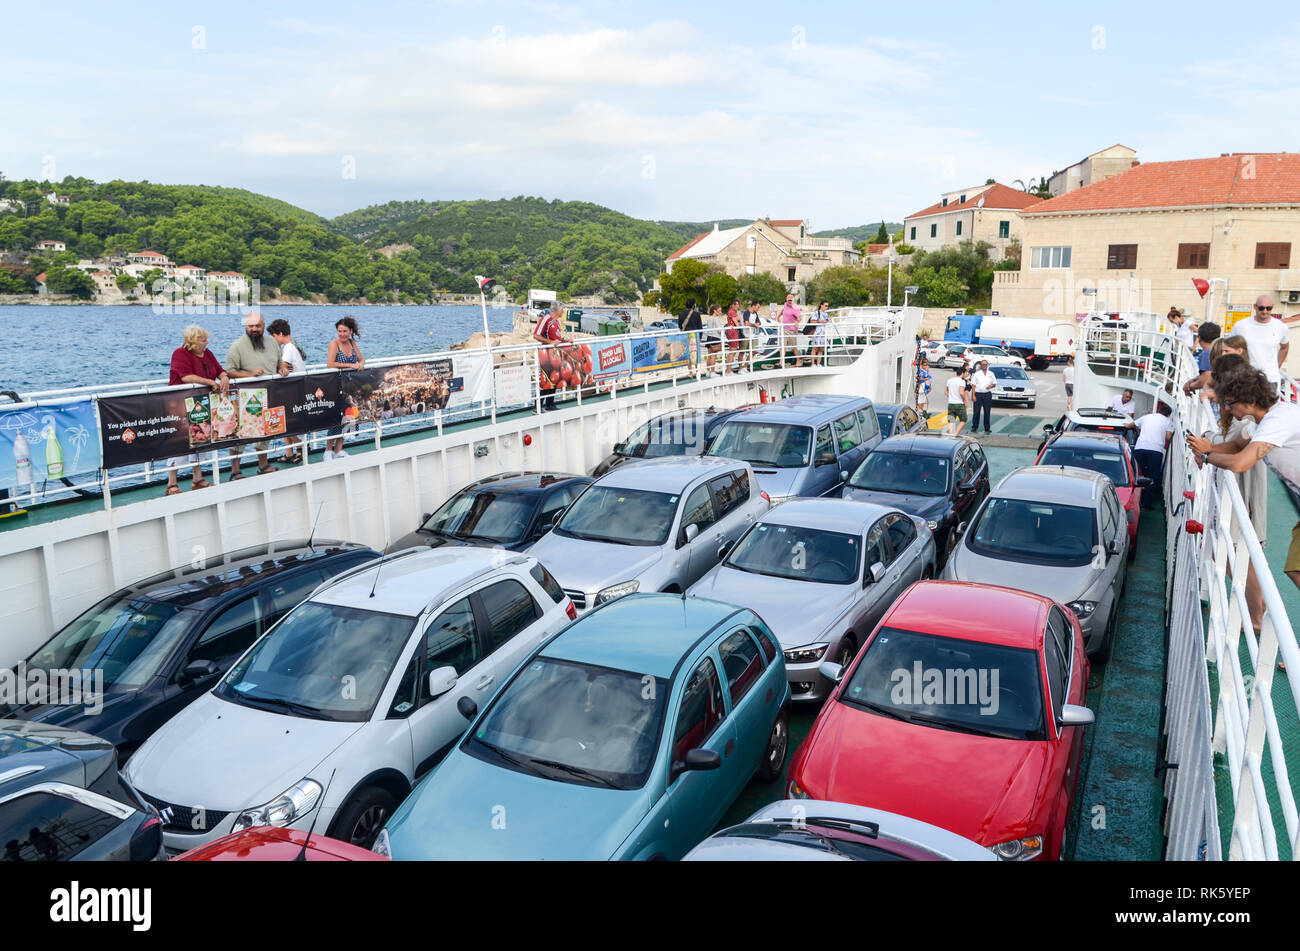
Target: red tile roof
(41,277)
(877,248)
(688,245)
(189,267)
(995,196)
(784,222)
(1268,178)
(148,254)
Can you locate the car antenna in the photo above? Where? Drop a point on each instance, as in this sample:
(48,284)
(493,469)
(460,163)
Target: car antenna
(315,522)
(378,566)
(302,853)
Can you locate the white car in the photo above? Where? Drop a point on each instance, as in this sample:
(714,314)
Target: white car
(335,713)
(996,356)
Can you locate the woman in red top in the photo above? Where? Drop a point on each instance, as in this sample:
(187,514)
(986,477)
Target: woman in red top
(193,362)
(732,343)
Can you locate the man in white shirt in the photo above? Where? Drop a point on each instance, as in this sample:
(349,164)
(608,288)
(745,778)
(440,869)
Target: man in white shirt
(958,397)
(1124,403)
(1068,375)
(1184,333)
(1267,339)
(1154,432)
(291,357)
(1277,437)
(983,382)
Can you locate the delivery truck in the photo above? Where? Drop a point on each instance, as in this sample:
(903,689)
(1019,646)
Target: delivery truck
(1041,341)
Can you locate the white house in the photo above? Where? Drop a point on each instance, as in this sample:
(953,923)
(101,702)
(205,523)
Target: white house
(49,244)
(54,199)
(233,280)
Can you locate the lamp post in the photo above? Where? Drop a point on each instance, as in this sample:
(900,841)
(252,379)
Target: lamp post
(908,291)
(483,284)
(889,285)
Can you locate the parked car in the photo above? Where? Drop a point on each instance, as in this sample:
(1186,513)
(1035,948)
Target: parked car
(350,699)
(798,446)
(682,432)
(898,418)
(811,831)
(935,351)
(822,572)
(274,844)
(656,526)
(626,736)
(1059,532)
(1013,386)
(61,798)
(162,642)
(1093,419)
(990,750)
(996,356)
(934,476)
(1109,454)
(511,510)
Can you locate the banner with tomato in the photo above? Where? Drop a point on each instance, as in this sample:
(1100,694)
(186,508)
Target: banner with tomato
(567,366)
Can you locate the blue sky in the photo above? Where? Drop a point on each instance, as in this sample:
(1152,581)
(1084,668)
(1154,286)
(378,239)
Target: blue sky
(839,113)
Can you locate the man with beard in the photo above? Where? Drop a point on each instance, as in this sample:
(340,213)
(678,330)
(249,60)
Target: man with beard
(253,355)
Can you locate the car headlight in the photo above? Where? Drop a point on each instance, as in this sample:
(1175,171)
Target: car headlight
(806,654)
(382,846)
(616,591)
(1019,850)
(1082,608)
(292,804)
(932,525)
(795,791)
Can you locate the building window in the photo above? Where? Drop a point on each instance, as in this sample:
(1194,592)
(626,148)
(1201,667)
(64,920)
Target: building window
(959,227)
(913,232)
(934,230)
(789,274)
(1049,257)
(944,204)
(1122,256)
(749,269)
(962,200)
(1273,254)
(1004,229)
(1193,255)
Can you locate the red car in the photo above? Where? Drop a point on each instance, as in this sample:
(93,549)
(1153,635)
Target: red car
(273,844)
(961,711)
(1109,454)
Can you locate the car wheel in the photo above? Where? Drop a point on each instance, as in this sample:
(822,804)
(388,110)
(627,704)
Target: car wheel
(361,819)
(778,743)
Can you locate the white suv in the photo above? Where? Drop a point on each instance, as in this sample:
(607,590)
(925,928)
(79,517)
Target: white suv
(334,714)
(996,356)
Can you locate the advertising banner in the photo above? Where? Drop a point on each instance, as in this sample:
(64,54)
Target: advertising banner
(513,386)
(586,363)
(148,426)
(411,389)
(42,444)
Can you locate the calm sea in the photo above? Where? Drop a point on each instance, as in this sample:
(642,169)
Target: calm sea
(54,347)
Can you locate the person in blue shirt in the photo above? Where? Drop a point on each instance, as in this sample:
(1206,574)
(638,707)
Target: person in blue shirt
(1205,336)
(924,380)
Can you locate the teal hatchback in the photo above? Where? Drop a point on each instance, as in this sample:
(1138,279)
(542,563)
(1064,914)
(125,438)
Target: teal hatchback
(627,735)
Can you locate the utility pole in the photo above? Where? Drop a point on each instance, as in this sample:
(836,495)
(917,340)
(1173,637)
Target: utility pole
(889,291)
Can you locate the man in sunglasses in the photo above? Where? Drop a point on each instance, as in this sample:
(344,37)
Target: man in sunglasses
(1267,339)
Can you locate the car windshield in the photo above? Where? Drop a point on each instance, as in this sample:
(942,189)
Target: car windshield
(1008,373)
(1045,533)
(129,639)
(323,661)
(886,421)
(949,683)
(675,436)
(802,554)
(902,473)
(624,516)
(575,723)
(1109,462)
(483,513)
(768,445)
(808,834)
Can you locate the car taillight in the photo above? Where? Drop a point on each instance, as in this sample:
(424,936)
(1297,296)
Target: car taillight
(765,497)
(571,611)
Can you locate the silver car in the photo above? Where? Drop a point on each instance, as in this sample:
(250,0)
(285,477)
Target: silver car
(803,570)
(1013,385)
(658,525)
(1057,531)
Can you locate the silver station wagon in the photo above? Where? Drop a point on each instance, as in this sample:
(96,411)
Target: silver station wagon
(658,525)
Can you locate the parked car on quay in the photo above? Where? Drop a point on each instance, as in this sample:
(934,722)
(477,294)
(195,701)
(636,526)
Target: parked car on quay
(996,356)
(510,510)
(162,642)
(798,446)
(897,419)
(934,476)
(1058,532)
(274,844)
(656,526)
(335,714)
(61,799)
(821,573)
(1109,454)
(1092,419)
(963,710)
(807,830)
(626,736)
(1013,386)
(681,432)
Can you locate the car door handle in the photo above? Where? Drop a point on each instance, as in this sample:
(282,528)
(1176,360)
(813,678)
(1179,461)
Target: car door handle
(726,750)
(484,682)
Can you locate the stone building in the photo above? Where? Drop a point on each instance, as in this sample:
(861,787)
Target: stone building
(783,248)
(988,213)
(1095,168)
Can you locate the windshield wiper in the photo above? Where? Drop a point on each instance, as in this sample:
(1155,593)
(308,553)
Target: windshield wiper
(523,762)
(958,728)
(576,771)
(314,713)
(878,708)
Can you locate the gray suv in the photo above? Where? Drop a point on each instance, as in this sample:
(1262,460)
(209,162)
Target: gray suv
(1057,531)
(658,525)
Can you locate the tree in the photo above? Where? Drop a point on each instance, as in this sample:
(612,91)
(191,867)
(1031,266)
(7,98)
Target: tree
(719,288)
(841,286)
(882,235)
(62,280)
(685,280)
(125,282)
(759,286)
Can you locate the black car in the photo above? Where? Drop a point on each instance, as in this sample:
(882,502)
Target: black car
(897,419)
(511,510)
(61,798)
(682,432)
(933,475)
(162,642)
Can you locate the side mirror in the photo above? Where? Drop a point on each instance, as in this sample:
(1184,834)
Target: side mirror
(969,484)
(1142,482)
(690,533)
(467,708)
(831,671)
(440,681)
(877,572)
(197,670)
(1074,715)
(425,517)
(827,459)
(696,759)
(619,447)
